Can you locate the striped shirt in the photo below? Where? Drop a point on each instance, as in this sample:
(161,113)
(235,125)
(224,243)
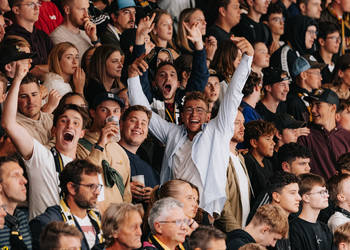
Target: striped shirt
(23,229)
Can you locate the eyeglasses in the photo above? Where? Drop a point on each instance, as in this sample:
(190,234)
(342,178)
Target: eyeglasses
(312,32)
(323,193)
(335,38)
(199,110)
(179,222)
(92,187)
(278,19)
(32,4)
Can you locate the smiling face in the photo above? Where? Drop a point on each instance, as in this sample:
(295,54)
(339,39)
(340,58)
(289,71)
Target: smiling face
(195,113)
(29,100)
(134,129)
(68,130)
(114,65)
(69,61)
(322,112)
(278,90)
(167,82)
(12,187)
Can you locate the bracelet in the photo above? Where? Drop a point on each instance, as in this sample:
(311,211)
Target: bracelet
(208,59)
(95,42)
(98,147)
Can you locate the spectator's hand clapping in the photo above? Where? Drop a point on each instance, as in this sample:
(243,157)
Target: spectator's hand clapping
(243,44)
(79,80)
(137,67)
(211,44)
(194,34)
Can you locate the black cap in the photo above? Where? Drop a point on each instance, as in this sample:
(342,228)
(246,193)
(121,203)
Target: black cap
(284,120)
(324,95)
(12,53)
(104,96)
(274,75)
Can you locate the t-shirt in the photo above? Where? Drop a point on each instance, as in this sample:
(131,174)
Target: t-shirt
(238,238)
(266,114)
(43,179)
(88,229)
(243,187)
(310,236)
(184,167)
(80,40)
(259,176)
(49,17)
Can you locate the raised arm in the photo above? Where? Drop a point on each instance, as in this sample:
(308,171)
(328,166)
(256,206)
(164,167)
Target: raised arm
(18,134)
(199,73)
(232,99)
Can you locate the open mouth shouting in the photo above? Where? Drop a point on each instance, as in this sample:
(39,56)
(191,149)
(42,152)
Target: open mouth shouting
(67,136)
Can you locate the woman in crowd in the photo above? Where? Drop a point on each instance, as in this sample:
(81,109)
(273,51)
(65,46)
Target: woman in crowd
(86,59)
(222,63)
(162,33)
(104,72)
(341,83)
(261,58)
(64,75)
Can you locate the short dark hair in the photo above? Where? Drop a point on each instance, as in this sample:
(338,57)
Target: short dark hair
(281,179)
(162,64)
(208,233)
(308,181)
(195,95)
(253,80)
(326,28)
(6,159)
(343,162)
(60,111)
(136,108)
(274,8)
(29,78)
(255,129)
(50,236)
(343,104)
(334,186)
(291,151)
(73,171)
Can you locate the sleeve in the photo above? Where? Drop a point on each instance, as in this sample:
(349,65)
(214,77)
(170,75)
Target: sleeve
(199,73)
(158,126)
(233,96)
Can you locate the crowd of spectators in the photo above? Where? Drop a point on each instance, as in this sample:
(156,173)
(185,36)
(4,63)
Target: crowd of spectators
(175,124)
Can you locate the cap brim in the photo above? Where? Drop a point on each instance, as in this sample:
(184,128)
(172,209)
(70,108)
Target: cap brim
(20,56)
(297,124)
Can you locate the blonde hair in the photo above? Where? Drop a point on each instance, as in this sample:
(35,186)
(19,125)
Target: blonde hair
(185,16)
(274,217)
(56,55)
(114,217)
(342,234)
(252,246)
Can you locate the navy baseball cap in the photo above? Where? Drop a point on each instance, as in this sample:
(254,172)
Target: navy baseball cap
(104,96)
(324,95)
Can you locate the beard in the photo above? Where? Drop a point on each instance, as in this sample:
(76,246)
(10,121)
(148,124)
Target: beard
(83,203)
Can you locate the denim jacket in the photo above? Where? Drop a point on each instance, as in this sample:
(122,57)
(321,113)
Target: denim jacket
(210,149)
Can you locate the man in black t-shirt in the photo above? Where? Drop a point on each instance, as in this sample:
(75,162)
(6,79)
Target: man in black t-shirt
(305,231)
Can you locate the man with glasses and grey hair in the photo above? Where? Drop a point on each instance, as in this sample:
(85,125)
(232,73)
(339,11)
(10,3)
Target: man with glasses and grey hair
(168,225)
(80,188)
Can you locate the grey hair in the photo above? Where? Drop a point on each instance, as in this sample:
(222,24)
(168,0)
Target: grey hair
(161,209)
